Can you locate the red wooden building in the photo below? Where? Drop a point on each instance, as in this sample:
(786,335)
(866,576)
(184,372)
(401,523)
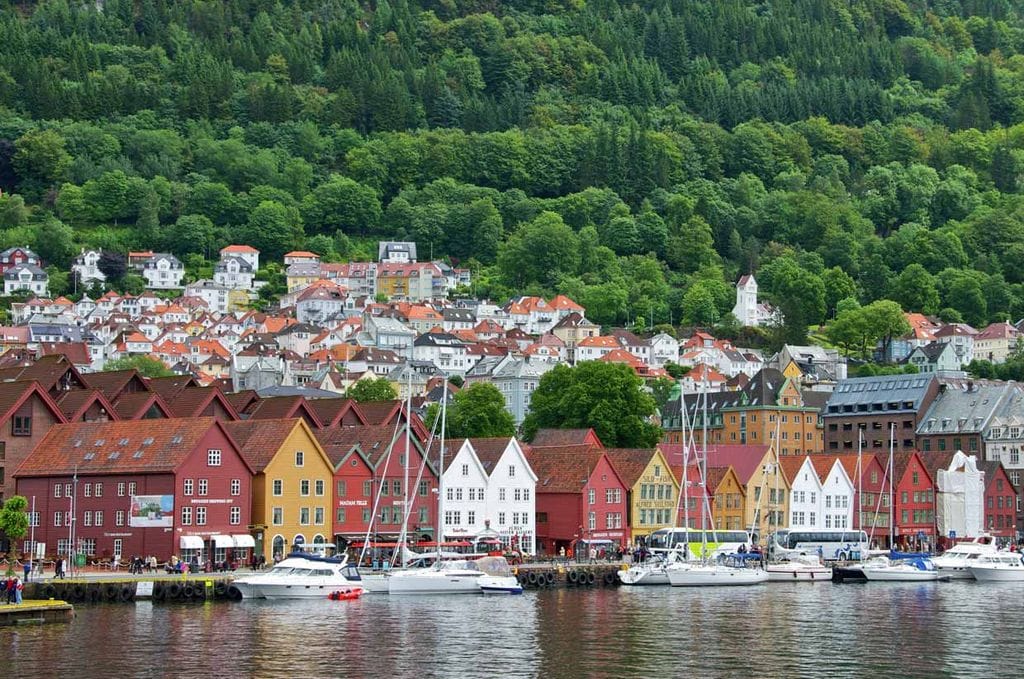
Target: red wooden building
(914,501)
(365,477)
(1000,500)
(139,488)
(581,500)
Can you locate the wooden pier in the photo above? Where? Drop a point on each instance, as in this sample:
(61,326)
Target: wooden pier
(35,613)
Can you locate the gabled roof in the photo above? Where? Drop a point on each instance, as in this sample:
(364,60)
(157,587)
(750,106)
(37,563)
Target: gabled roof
(14,395)
(124,447)
(170,387)
(261,440)
(134,406)
(564,437)
(630,463)
(743,459)
(332,410)
(241,401)
(791,466)
(371,442)
(115,383)
(51,372)
(489,451)
(76,402)
(279,407)
(193,401)
(565,469)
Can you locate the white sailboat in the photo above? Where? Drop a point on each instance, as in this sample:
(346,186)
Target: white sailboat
(799,568)
(451,577)
(731,570)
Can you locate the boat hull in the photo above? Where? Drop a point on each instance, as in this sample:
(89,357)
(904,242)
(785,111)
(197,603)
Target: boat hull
(848,574)
(887,575)
(499,585)
(433,582)
(997,574)
(955,572)
(716,577)
(375,583)
(638,577)
(784,574)
(281,590)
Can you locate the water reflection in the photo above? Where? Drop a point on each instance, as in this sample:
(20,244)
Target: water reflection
(889,629)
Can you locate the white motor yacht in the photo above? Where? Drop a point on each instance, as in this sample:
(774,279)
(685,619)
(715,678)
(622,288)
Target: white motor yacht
(1000,567)
(799,568)
(299,575)
(917,569)
(957,560)
(728,572)
(497,576)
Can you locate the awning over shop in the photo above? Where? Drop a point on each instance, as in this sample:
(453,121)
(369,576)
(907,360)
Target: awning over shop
(190,542)
(244,541)
(222,541)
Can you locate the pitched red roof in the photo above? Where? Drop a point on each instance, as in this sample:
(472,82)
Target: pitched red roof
(135,406)
(630,463)
(279,407)
(371,442)
(170,387)
(14,394)
(124,447)
(193,401)
(489,450)
(115,382)
(563,437)
(564,469)
(332,410)
(261,440)
(76,402)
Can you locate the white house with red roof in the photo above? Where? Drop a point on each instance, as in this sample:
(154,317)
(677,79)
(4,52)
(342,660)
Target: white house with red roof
(996,342)
(594,348)
(246,252)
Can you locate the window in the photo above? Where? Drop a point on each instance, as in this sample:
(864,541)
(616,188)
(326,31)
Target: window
(304,487)
(384,486)
(187,487)
(339,516)
(501,518)
(98,489)
(423,488)
(277,516)
(278,487)
(119,517)
(592,520)
(458,494)
(200,516)
(87,491)
(120,489)
(213,457)
(396,488)
(56,489)
(204,486)
(132,486)
(367,488)
(300,458)
(341,488)
(511,471)
(916,477)
(318,516)
(591,496)
(304,516)
(186,516)
(501,494)
(318,487)
(465,470)
(526,494)
(87,518)
(422,515)
(21,425)
(235,516)
(236,486)
(471,518)
(904,497)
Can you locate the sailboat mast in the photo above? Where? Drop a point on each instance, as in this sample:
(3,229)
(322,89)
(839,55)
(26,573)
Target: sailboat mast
(860,479)
(685,482)
(892,494)
(440,472)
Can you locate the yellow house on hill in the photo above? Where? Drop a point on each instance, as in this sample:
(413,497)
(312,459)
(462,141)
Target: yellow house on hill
(653,488)
(291,492)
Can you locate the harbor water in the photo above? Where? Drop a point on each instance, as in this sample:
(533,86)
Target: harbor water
(959,629)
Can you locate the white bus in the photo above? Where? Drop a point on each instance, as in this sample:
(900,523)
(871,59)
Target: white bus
(714,542)
(832,545)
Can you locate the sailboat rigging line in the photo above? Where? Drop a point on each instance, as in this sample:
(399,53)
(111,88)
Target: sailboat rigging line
(419,477)
(380,489)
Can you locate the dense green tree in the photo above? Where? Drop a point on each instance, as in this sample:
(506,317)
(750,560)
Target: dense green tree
(607,397)
(14,524)
(372,389)
(539,252)
(147,366)
(273,229)
(479,411)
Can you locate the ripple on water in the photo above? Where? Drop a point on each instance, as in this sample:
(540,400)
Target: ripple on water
(887,629)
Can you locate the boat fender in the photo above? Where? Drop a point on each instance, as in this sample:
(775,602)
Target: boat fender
(609,579)
(78,593)
(189,591)
(111,592)
(574,577)
(532,579)
(127,593)
(550,578)
(49,591)
(200,593)
(522,580)
(158,592)
(95,595)
(234,593)
(174,591)
(591,578)
(220,589)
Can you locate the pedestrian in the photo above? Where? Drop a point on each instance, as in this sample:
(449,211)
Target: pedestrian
(18,587)
(27,567)
(9,589)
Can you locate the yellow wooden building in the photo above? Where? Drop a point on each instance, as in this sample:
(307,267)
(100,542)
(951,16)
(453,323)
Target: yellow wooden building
(291,492)
(653,488)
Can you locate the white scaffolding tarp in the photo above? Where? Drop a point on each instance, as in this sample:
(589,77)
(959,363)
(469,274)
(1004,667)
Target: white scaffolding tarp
(960,497)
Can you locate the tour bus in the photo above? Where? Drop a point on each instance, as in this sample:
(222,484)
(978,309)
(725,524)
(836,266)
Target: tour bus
(713,542)
(832,545)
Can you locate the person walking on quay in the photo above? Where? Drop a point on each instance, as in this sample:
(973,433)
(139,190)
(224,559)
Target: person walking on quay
(18,587)
(57,565)
(9,589)
(27,567)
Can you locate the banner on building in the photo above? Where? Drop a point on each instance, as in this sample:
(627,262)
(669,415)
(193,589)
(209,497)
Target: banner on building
(151,511)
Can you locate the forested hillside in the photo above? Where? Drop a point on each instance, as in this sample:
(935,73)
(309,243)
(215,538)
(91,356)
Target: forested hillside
(636,156)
